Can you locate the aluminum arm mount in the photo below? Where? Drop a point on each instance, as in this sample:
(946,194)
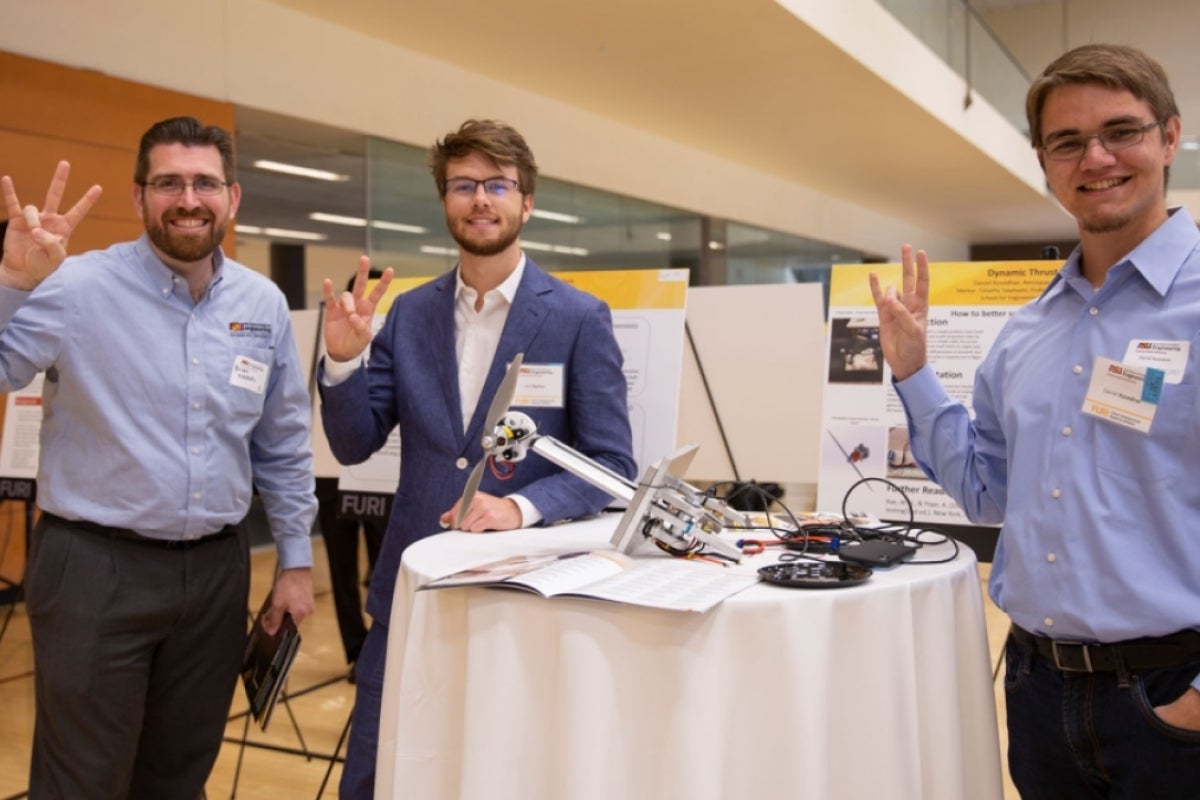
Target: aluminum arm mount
(663,507)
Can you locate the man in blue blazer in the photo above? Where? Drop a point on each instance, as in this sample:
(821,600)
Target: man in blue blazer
(436,365)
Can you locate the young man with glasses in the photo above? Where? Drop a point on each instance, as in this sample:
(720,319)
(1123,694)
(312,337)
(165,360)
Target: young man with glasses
(434,368)
(173,388)
(1084,443)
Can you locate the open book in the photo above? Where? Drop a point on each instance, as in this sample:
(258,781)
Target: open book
(655,582)
(266,663)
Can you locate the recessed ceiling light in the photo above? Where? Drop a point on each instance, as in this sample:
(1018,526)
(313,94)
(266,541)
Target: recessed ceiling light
(663,235)
(359,222)
(303,172)
(280,233)
(555,216)
(434,250)
(553,248)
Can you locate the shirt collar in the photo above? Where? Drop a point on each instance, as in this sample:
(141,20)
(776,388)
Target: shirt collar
(1158,258)
(507,289)
(163,275)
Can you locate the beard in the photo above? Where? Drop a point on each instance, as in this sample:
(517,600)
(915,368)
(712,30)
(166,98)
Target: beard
(1105,224)
(185,247)
(509,232)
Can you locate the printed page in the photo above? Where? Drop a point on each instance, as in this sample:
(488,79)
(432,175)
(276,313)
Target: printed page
(671,584)
(544,574)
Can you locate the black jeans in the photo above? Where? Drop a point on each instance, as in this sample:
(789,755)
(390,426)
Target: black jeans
(1076,735)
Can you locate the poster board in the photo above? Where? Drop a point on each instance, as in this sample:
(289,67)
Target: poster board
(865,433)
(762,352)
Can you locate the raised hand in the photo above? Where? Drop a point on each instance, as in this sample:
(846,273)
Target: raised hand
(904,317)
(348,318)
(36,241)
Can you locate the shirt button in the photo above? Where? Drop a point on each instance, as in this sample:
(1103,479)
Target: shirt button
(195,495)
(195,361)
(1077,369)
(195,451)
(461,463)
(1051,557)
(1093,311)
(1057,493)
(196,406)
(1066,431)
(1048,622)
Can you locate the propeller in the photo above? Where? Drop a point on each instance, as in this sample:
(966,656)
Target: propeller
(496,411)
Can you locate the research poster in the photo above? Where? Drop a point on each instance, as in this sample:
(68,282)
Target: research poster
(864,434)
(19,441)
(648,309)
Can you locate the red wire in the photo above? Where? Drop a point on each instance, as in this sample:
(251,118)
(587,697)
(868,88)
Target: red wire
(496,470)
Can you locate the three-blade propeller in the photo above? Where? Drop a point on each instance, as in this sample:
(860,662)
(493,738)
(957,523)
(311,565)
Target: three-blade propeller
(496,411)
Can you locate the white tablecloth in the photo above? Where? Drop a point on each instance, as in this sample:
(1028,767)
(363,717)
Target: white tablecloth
(881,690)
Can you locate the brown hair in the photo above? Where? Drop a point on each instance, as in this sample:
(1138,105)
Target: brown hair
(189,132)
(495,141)
(1111,65)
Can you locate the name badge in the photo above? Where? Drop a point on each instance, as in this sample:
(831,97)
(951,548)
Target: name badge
(249,374)
(1170,357)
(1124,394)
(540,385)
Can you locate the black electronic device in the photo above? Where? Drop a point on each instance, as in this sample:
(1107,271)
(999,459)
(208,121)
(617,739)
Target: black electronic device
(876,552)
(814,574)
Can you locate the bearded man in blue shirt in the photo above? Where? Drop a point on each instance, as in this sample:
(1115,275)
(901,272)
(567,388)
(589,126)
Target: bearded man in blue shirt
(1098,560)
(173,387)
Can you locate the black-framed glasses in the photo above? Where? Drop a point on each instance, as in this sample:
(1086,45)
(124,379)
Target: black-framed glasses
(173,185)
(466,187)
(1112,139)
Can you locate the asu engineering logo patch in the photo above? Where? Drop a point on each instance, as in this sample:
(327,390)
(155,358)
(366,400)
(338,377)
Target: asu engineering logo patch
(250,329)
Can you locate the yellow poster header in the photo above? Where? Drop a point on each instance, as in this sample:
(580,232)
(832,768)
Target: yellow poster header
(621,289)
(951,283)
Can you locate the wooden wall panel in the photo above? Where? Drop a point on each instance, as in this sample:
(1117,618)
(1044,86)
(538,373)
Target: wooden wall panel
(52,112)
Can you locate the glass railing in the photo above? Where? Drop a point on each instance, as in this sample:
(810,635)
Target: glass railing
(960,38)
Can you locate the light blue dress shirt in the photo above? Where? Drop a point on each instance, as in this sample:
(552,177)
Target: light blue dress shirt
(1101,535)
(148,423)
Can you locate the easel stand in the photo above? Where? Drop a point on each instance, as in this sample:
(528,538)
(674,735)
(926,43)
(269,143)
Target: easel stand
(284,699)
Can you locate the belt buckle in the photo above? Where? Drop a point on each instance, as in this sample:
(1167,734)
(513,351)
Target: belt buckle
(1057,647)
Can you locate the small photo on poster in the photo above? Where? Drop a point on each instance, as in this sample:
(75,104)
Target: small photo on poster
(854,352)
(900,461)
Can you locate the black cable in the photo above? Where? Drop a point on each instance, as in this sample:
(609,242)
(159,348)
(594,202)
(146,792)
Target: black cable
(907,532)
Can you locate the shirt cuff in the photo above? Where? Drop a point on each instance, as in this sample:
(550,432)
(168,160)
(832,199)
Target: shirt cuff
(530,516)
(334,372)
(921,392)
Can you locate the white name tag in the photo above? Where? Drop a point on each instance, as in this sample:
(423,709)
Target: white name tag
(249,374)
(1170,357)
(540,385)
(1123,394)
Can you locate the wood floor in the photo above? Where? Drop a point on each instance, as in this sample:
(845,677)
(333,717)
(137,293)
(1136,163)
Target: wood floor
(274,764)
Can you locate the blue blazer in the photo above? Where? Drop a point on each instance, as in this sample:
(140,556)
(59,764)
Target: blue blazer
(411,380)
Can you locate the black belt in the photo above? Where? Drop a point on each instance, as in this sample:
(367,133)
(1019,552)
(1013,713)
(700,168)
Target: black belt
(1162,652)
(126,535)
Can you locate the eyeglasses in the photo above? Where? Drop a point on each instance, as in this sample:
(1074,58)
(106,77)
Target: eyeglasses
(1116,137)
(466,187)
(173,185)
